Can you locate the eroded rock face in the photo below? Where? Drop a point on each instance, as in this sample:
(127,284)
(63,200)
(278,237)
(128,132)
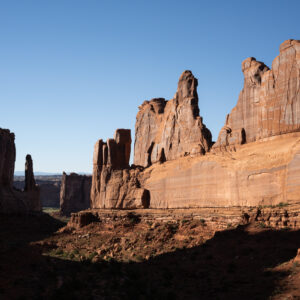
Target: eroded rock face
(269,103)
(166,130)
(114,184)
(258,173)
(75,193)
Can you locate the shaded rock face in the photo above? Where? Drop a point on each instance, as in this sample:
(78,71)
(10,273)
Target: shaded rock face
(31,189)
(74,193)
(114,184)
(7,157)
(166,130)
(29,176)
(11,200)
(49,189)
(269,103)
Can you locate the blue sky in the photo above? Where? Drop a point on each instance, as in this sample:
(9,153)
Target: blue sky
(72,72)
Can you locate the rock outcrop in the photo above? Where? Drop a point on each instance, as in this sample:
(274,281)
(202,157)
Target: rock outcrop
(7,158)
(256,160)
(74,193)
(269,103)
(31,189)
(264,172)
(167,130)
(114,184)
(12,200)
(8,201)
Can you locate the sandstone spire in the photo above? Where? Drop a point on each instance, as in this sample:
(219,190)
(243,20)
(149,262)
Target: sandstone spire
(29,176)
(166,130)
(31,188)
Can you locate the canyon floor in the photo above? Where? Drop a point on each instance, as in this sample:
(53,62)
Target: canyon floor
(177,254)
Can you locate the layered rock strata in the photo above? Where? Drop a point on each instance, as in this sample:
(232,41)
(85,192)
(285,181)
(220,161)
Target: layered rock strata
(265,172)
(269,103)
(166,130)
(114,184)
(74,193)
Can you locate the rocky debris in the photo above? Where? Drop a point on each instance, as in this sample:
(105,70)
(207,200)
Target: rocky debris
(114,183)
(219,219)
(167,130)
(74,193)
(269,103)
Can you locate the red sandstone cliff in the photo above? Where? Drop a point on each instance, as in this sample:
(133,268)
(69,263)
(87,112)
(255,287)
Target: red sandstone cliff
(269,103)
(166,130)
(261,168)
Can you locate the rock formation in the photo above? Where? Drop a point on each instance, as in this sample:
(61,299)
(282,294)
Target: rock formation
(74,193)
(259,173)
(256,160)
(269,103)
(7,158)
(31,189)
(11,200)
(8,201)
(114,184)
(166,130)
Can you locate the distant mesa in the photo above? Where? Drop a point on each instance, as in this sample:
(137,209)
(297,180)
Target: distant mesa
(74,193)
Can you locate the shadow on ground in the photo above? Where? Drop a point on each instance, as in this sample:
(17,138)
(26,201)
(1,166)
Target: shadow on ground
(232,265)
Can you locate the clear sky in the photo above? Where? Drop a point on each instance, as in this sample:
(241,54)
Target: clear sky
(73,71)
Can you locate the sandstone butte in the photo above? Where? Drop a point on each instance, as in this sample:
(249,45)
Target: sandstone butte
(255,161)
(12,200)
(74,193)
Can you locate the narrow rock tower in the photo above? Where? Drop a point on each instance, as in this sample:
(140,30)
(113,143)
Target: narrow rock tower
(31,188)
